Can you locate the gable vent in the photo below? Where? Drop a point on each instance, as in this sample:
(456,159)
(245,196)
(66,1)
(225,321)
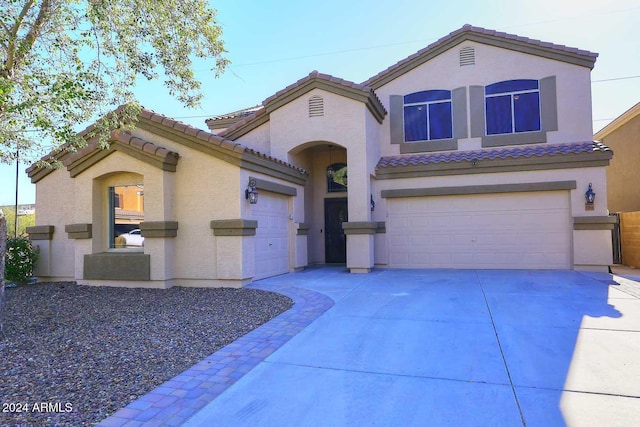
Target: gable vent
(316,106)
(467,56)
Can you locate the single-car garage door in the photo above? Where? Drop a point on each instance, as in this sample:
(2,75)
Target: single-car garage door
(272,235)
(488,231)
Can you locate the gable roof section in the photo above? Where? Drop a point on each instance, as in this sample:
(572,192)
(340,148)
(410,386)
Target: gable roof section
(620,121)
(156,155)
(489,37)
(133,146)
(314,80)
(517,158)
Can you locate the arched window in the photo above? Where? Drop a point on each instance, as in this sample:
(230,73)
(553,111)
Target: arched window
(512,106)
(428,116)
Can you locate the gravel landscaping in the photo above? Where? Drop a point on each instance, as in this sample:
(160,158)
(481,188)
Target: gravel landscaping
(73,354)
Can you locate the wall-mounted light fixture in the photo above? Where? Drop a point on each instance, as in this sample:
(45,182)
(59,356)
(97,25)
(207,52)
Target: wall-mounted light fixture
(330,168)
(373,203)
(251,193)
(590,195)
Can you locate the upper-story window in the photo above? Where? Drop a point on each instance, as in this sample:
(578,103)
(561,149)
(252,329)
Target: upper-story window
(512,106)
(428,116)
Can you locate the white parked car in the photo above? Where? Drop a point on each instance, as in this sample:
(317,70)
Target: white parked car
(133,238)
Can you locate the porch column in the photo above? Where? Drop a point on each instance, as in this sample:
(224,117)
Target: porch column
(360,245)
(360,230)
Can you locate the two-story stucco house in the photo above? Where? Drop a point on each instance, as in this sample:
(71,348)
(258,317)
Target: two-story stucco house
(474,153)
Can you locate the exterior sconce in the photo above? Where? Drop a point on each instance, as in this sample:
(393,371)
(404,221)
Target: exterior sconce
(373,204)
(251,193)
(590,195)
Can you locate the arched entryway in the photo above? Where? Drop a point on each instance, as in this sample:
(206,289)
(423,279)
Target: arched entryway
(325,199)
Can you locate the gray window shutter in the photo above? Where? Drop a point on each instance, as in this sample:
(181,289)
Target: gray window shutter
(548,104)
(459,101)
(476,104)
(396,119)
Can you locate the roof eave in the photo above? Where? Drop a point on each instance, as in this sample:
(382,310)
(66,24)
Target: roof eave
(502,40)
(620,121)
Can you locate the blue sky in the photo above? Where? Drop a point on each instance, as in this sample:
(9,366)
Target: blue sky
(272,44)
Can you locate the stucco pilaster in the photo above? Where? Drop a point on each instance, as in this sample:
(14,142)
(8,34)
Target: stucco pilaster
(360,252)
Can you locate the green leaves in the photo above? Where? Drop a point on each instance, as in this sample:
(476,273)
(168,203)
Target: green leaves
(20,259)
(66,62)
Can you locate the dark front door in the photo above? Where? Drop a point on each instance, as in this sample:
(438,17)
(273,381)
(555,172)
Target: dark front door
(335,242)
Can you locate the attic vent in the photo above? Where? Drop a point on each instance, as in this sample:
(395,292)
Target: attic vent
(467,56)
(316,106)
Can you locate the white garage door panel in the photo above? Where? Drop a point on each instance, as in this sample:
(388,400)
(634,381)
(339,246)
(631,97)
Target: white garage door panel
(519,230)
(272,235)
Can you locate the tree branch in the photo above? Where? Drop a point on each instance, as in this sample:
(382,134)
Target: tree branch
(12,35)
(34,32)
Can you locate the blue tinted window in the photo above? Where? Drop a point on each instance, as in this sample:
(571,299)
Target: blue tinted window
(440,121)
(526,112)
(511,86)
(428,116)
(427,96)
(512,106)
(415,123)
(499,115)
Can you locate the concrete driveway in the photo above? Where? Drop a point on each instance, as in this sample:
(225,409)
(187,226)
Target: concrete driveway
(438,347)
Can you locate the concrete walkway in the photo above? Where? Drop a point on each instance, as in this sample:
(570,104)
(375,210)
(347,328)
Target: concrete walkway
(422,348)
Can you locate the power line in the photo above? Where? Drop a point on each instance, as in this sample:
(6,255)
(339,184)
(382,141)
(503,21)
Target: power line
(615,78)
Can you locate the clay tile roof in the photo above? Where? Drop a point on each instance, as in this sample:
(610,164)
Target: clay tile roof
(257,114)
(235,114)
(320,76)
(211,138)
(492,153)
(480,33)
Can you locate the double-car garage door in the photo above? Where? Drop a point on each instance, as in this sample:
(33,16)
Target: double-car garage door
(497,231)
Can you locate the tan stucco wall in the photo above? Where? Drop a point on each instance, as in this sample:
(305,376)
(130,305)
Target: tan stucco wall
(623,174)
(493,64)
(55,206)
(205,188)
(258,139)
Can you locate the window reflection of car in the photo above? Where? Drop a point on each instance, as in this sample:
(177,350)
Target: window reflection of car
(133,238)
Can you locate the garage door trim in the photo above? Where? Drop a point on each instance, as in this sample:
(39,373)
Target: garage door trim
(480,189)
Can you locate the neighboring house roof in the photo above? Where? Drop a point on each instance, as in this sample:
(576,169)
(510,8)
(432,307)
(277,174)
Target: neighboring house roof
(490,37)
(226,120)
(128,214)
(518,152)
(314,80)
(623,119)
(161,157)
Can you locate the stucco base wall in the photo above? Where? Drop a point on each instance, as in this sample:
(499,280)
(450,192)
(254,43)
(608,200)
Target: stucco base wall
(359,252)
(149,284)
(235,257)
(380,255)
(159,284)
(301,253)
(45,278)
(592,250)
(43,266)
